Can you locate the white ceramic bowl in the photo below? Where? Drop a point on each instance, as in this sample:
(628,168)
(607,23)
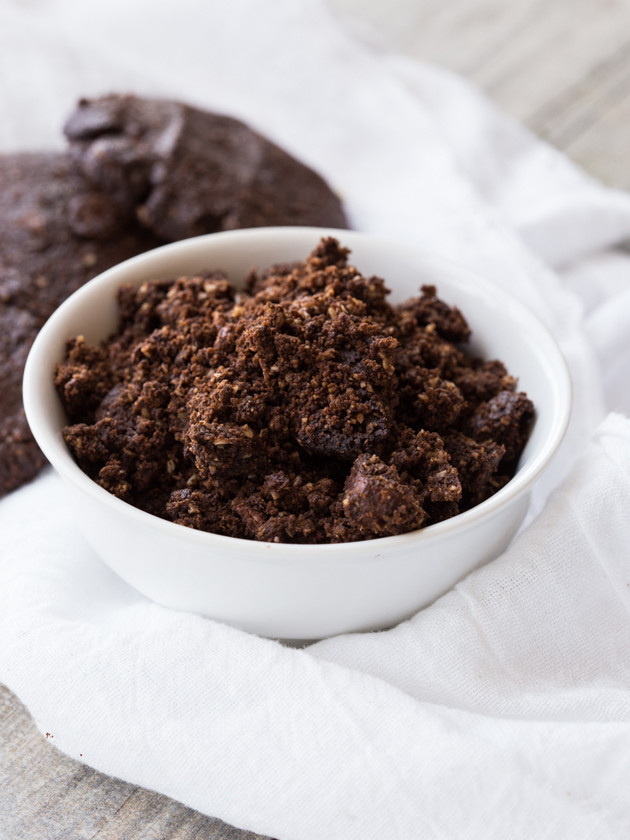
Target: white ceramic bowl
(303,591)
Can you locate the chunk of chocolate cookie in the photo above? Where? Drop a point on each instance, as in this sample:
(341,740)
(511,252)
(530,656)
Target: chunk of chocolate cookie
(506,418)
(186,172)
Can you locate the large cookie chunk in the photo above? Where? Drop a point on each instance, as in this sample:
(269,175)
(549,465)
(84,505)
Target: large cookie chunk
(187,172)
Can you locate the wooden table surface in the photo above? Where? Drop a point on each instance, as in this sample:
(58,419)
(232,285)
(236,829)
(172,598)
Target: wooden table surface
(560,66)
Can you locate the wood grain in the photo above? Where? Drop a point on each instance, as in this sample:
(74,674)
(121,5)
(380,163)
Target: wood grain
(560,66)
(44,795)
(563,68)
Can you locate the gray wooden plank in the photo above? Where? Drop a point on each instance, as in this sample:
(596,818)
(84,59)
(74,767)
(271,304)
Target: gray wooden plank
(561,67)
(44,795)
(589,99)
(609,162)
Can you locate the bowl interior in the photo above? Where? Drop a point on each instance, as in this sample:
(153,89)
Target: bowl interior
(502,328)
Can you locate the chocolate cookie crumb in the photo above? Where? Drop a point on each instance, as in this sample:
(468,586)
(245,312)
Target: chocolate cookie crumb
(305,409)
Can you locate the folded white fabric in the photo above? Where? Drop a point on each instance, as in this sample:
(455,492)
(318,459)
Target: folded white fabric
(505,707)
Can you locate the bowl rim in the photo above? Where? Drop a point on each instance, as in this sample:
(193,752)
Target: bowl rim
(53,447)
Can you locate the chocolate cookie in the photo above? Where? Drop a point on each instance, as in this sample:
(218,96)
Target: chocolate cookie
(58,231)
(186,172)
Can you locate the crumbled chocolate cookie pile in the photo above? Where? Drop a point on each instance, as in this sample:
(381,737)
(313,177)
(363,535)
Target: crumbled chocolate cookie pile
(306,409)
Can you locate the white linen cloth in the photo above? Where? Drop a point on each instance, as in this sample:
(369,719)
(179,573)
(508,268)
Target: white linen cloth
(504,708)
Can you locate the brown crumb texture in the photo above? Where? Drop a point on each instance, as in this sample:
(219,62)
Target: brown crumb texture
(477,466)
(506,419)
(304,409)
